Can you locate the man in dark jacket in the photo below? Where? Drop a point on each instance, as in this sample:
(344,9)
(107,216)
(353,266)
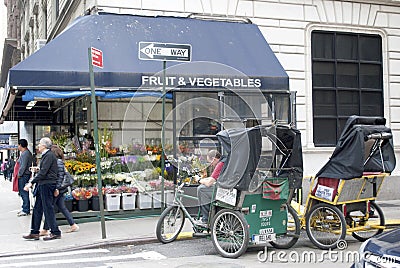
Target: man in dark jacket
(46,180)
(25,161)
(10,166)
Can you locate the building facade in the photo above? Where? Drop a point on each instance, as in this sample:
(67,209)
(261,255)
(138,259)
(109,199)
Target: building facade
(342,57)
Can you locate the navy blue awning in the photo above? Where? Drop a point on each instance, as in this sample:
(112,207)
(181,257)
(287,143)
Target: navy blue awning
(231,55)
(237,49)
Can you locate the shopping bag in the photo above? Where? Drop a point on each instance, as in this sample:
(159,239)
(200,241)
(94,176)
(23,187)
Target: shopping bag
(67,181)
(276,189)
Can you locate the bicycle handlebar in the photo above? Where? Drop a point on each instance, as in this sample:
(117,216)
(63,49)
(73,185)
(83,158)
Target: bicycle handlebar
(380,135)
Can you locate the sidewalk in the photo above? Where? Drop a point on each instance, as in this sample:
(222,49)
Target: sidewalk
(12,228)
(131,231)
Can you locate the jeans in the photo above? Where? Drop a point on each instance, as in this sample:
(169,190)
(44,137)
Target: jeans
(205,195)
(59,202)
(44,205)
(26,204)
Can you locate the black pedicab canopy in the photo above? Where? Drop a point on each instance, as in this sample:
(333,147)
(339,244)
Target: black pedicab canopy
(273,148)
(357,150)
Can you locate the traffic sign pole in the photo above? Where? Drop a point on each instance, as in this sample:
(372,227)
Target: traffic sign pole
(163,138)
(164,52)
(96,144)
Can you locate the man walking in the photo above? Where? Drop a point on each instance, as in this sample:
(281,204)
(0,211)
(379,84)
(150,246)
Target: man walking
(11,165)
(46,180)
(25,161)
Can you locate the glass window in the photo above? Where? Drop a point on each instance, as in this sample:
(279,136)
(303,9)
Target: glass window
(371,48)
(347,75)
(323,74)
(346,80)
(346,47)
(348,103)
(370,76)
(324,102)
(324,49)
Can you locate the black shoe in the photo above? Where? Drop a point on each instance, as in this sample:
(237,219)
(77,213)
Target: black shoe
(51,237)
(31,237)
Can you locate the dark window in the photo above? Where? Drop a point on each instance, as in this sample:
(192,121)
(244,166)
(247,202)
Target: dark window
(346,80)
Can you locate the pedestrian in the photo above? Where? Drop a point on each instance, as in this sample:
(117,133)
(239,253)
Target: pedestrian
(5,169)
(24,161)
(206,188)
(46,182)
(11,165)
(59,194)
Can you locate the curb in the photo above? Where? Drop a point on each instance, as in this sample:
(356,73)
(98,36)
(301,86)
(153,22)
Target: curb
(108,243)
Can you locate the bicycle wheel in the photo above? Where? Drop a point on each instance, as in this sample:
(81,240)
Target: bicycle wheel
(230,233)
(362,219)
(287,240)
(170,224)
(325,226)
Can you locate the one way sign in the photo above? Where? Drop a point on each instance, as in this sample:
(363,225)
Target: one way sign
(164,51)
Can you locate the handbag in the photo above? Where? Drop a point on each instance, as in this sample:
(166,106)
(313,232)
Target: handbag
(68,180)
(276,189)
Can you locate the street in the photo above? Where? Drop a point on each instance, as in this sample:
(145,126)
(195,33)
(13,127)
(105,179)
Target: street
(193,252)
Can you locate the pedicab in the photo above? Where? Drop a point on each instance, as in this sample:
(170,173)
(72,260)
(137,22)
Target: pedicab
(342,195)
(249,207)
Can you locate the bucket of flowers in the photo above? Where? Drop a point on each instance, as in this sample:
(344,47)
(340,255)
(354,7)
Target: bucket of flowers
(94,202)
(82,195)
(128,197)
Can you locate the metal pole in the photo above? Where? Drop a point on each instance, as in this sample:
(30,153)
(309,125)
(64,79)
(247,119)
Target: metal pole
(163,138)
(96,144)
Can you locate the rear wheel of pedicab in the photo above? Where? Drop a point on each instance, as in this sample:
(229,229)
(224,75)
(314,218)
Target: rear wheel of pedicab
(230,233)
(373,218)
(170,224)
(325,226)
(287,240)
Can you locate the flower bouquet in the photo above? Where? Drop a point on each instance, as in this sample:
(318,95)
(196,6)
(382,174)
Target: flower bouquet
(81,194)
(128,189)
(156,185)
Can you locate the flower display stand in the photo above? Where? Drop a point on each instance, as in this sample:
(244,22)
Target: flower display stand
(68,205)
(128,201)
(156,199)
(113,202)
(144,200)
(169,197)
(83,205)
(95,204)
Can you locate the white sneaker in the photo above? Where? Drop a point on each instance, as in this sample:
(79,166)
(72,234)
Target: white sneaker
(201,223)
(73,228)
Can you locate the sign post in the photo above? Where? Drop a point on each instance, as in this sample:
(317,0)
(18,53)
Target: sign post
(96,59)
(164,52)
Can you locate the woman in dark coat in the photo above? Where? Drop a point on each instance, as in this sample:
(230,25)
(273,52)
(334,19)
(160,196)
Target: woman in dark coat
(59,194)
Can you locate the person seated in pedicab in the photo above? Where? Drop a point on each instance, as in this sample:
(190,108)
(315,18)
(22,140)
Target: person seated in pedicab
(206,188)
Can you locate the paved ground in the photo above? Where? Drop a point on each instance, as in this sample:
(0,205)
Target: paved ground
(90,234)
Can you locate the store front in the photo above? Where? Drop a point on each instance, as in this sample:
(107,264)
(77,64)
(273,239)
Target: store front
(233,80)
